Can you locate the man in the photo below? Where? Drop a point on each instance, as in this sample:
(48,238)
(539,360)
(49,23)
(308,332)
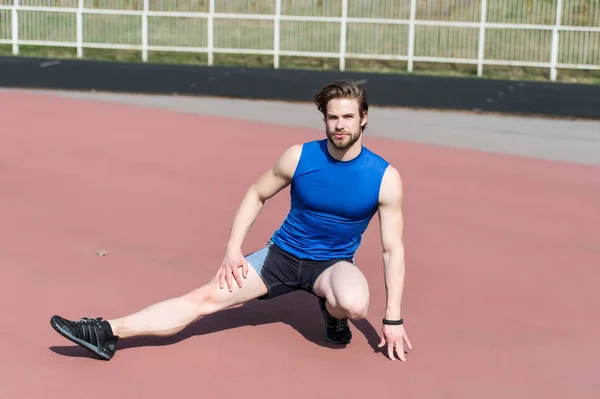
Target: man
(336,185)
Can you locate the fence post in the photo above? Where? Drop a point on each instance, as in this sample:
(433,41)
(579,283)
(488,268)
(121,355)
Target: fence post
(343,28)
(80,29)
(211,17)
(15,28)
(411,34)
(555,37)
(276,34)
(481,50)
(145,31)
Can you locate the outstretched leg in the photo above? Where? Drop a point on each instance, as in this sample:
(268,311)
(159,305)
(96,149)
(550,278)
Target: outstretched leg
(173,315)
(161,319)
(343,294)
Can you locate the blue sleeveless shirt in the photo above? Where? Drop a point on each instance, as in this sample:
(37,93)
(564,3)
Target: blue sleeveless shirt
(332,203)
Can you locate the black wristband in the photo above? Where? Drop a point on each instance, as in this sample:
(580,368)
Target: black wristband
(393,322)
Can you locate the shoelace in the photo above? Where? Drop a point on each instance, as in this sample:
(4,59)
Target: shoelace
(90,320)
(341,325)
(80,330)
(337,324)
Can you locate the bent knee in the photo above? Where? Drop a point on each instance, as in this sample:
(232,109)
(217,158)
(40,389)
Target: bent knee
(356,307)
(358,312)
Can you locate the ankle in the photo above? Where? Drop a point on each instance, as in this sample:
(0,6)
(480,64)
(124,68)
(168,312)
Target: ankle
(113,327)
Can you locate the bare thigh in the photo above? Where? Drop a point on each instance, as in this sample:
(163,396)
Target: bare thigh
(345,288)
(213,298)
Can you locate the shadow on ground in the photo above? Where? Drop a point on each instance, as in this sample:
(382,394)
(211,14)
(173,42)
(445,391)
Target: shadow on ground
(298,310)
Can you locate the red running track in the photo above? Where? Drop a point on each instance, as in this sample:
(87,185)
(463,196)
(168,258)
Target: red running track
(502,252)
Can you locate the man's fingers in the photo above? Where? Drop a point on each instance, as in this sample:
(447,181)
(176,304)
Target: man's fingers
(245,268)
(229,280)
(407,342)
(236,276)
(391,351)
(400,350)
(221,278)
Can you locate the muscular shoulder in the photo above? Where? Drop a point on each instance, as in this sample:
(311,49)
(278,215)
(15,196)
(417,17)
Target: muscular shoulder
(391,191)
(288,161)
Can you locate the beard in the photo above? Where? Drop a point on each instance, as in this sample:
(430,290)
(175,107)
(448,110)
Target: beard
(343,143)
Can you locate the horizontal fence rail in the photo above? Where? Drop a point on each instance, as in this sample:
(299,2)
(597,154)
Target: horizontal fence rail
(550,34)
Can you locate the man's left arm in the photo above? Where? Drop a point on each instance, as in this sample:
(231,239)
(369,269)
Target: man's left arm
(392,230)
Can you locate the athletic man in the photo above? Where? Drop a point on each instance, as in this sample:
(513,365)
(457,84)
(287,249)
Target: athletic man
(337,185)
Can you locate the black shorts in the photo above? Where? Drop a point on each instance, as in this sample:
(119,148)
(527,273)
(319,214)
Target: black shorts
(283,272)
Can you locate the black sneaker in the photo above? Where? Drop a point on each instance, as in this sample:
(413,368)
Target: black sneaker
(337,331)
(94,335)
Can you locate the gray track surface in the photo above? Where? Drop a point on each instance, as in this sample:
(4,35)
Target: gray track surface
(574,141)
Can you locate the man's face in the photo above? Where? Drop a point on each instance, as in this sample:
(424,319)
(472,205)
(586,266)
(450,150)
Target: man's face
(343,123)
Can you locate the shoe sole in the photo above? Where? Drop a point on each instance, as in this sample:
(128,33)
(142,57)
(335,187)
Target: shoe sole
(80,342)
(326,336)
(337,342)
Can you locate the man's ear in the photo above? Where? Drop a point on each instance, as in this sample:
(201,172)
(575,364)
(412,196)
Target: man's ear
(364,118)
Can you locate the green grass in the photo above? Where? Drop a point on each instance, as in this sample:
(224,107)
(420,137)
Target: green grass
(462,42)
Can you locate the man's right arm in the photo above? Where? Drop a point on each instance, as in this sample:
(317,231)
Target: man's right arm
(268,184)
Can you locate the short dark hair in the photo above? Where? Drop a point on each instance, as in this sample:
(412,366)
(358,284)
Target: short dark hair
(347,89)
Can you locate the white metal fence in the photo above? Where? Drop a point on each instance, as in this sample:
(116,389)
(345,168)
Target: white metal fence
(551,34)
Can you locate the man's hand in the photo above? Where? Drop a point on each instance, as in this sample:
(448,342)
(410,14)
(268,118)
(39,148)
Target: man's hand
(394,336)
(234,259)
